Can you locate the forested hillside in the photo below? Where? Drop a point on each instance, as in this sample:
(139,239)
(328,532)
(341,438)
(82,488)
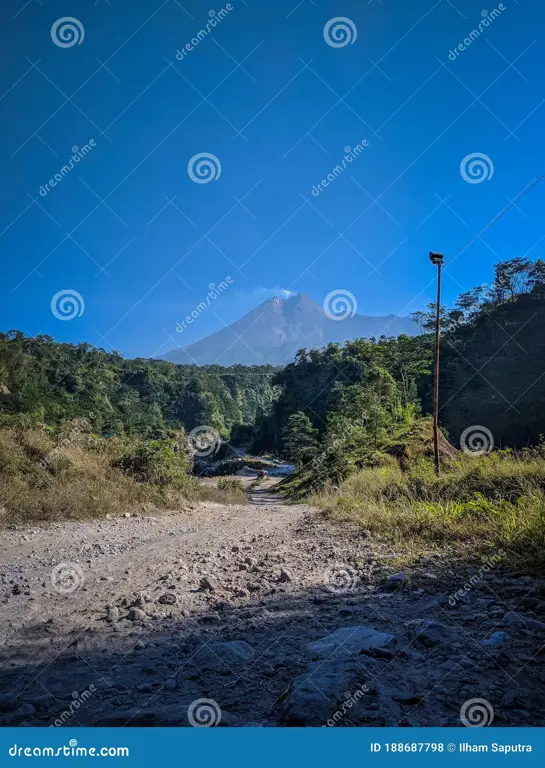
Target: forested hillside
(51,382)
(342,404)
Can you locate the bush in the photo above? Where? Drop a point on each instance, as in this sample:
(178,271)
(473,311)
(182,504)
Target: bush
(231,485)
(45,480)
(154,462)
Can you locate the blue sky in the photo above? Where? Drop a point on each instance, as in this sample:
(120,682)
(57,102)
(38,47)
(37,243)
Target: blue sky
(276,105)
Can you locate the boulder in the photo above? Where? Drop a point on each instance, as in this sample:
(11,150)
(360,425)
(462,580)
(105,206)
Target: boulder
(348,641)
(428,632)
(316,693)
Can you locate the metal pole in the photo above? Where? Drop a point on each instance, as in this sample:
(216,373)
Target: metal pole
(436,373)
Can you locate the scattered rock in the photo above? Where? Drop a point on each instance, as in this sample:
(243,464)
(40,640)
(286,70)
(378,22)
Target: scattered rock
(113,614)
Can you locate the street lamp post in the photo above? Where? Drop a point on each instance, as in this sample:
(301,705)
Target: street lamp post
(437,259)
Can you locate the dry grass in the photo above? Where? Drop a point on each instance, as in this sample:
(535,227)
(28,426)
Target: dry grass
(45,480)
(487,503)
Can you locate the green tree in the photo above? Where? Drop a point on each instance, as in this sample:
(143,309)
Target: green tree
(300,440)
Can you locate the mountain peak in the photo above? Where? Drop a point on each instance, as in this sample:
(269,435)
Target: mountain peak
(274,331)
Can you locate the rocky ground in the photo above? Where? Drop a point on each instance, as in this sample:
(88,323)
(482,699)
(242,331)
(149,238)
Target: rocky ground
(259,614)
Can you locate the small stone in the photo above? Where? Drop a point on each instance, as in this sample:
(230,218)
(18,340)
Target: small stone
(495,640)
(168,598)
(170,684)
(224,657)
(6,703)
(285,576)
(137,614)
(208,583)
(408,698)
(113,614)
(127,514)
(395,580)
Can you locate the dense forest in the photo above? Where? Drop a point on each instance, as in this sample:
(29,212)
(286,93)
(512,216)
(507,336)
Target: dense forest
(341,402)
(49,382)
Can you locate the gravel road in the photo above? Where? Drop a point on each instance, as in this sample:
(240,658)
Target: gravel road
(259,614)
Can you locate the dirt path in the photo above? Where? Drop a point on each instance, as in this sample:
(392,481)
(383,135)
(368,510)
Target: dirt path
(264,613)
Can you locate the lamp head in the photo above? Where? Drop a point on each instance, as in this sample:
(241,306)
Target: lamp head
(436,258)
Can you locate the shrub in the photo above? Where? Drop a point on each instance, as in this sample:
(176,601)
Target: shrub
(45,480)
(154,462)
(232,485)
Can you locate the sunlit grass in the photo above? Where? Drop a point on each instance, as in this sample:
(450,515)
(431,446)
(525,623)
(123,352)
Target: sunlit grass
(489,502)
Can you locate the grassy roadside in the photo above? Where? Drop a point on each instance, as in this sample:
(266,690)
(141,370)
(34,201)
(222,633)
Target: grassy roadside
(47,477)
(478,503)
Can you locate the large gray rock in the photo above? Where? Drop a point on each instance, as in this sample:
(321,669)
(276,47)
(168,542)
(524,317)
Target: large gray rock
(224,657)
(348,641)
(315,695)
(428,632)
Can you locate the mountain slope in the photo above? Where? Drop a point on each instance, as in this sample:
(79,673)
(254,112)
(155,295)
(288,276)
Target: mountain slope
(274,331)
